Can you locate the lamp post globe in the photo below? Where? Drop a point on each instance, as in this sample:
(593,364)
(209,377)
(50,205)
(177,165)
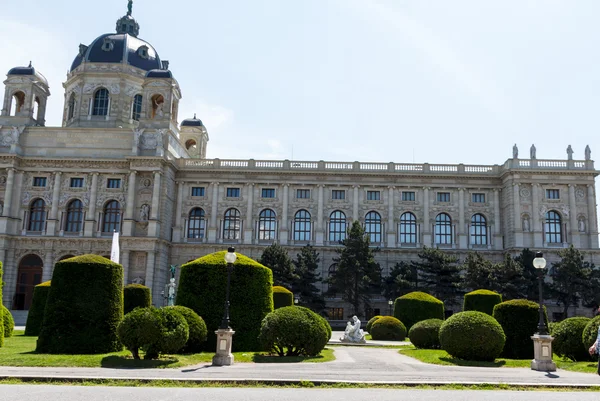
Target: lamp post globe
(390,303)
(230,258)
(540,263)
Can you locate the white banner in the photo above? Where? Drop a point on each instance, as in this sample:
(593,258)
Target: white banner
(115,251)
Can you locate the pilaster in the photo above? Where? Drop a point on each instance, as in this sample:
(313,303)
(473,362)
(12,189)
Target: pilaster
(90,218)
(249,224)
(284,230)
(212,227)
(153,222)
(128,222)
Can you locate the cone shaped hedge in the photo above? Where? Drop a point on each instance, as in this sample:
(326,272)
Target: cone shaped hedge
(282,297)
(35,317)
(417,306)
(202,288)
(84,307)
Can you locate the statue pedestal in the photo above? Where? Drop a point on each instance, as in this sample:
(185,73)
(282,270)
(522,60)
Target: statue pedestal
(223,356)
(542,351)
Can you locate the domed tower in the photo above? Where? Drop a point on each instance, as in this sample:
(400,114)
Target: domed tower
(194,137)
(120,81)
(25,97)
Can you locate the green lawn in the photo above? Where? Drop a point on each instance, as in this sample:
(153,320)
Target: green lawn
(19,350)
(440,357)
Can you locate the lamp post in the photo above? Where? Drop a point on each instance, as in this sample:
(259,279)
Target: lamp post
(296,300)
(542,342)
(390,303)
(223,356)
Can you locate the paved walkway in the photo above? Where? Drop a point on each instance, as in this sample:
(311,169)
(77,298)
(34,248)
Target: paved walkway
(352,364)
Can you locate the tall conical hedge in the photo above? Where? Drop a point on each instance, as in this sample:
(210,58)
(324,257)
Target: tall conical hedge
(417,306)
(282,297)
(136,295)
(35,317)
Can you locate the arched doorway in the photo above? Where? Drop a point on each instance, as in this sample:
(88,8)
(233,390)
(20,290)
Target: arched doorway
(29,275)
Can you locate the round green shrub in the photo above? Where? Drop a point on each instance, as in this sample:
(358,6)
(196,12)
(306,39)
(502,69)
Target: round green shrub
(35,317)
(519,319)
(590,333)
(136,295)
(197,329)
(568,339)
(473,336)
(138,329)
(174,333)
(482,301)
(202,287)
(416,306)
(370,323)
(388,328)
(282,297)
(293,330)
(426,334)
(9,322)
(84,307)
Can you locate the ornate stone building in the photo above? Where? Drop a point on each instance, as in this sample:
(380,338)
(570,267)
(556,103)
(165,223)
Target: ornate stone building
(121,161)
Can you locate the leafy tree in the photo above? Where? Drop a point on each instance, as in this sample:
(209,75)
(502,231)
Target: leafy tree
(403,278)
(507,279)
(307,265)
(571,278)
(477,272)
(529,284)
(358,276)
(276,258)
(440,273)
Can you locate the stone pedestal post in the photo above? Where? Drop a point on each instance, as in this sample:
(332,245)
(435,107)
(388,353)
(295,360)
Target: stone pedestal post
(223,356)
(542,353)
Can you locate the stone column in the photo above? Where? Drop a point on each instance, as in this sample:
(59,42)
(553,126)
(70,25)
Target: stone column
(518,228)
(8,195)
(462,236)
(391,228)
(592,218)
(536,226)
(574,230)
(284,230)
(497,223)
(178,211)
(249,221)
(128,219)
(212,227)
(319,232)
(10,268)
(125,264)
(426,229)
(150,271)
(48,266)
(355,203)
(153,222)
(90,218)
(53,217)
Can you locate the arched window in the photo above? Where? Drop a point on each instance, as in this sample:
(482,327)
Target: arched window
(71,107)
(28,276)
(302,226)
(373,226)
(158,102)
(101,100)
(479,235)
(267,222)
(35,107)
(37,216)
(112,217)
(18,102)
(443,229)
(337,226)
(136,108)
(331,272)
(74,216)
(408,228)
(196,223)
(231,224)
(553,227)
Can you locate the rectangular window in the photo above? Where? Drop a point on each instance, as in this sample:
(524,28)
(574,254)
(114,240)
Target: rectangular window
(113,183)
(478,198)
(268,192)
(197,191)
(76,182)
(39,181)
(338,194)
(443,196)
(552,194)
(233,192)
(373,195)
(408,196)
(336,313)
(303,194)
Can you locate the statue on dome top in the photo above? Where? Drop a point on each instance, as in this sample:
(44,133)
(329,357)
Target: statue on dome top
(130,7)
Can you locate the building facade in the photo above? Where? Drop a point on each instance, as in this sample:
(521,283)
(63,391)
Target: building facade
(121,161)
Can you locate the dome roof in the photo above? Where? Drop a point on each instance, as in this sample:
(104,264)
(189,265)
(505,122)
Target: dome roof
(192,122)
(119,48)
(30,70)
(159,74)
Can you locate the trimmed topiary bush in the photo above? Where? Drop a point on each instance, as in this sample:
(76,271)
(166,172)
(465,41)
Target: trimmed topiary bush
(294,330)
(202,288)
(136,295)
(473,336)
(426,334)
(370,323)
(282,297)
(590,333)
(388,328)
(416,306)
(35,317)
(84,307)
(9,322)
(519,319)
(174,333)
(138,329)
(482,301)
(197,329)
(567,339)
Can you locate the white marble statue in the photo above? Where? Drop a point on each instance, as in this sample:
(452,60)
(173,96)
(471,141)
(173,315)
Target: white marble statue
(353,332)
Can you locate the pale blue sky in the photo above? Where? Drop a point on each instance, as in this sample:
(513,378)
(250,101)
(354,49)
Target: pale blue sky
(371,80)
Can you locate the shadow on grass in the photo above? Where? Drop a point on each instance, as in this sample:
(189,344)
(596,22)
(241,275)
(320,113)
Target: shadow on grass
(262,358)
(123,362)
(482,364)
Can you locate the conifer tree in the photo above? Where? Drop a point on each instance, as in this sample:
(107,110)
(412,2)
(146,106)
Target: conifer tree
(440,274)
(276,258)
(307,266)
